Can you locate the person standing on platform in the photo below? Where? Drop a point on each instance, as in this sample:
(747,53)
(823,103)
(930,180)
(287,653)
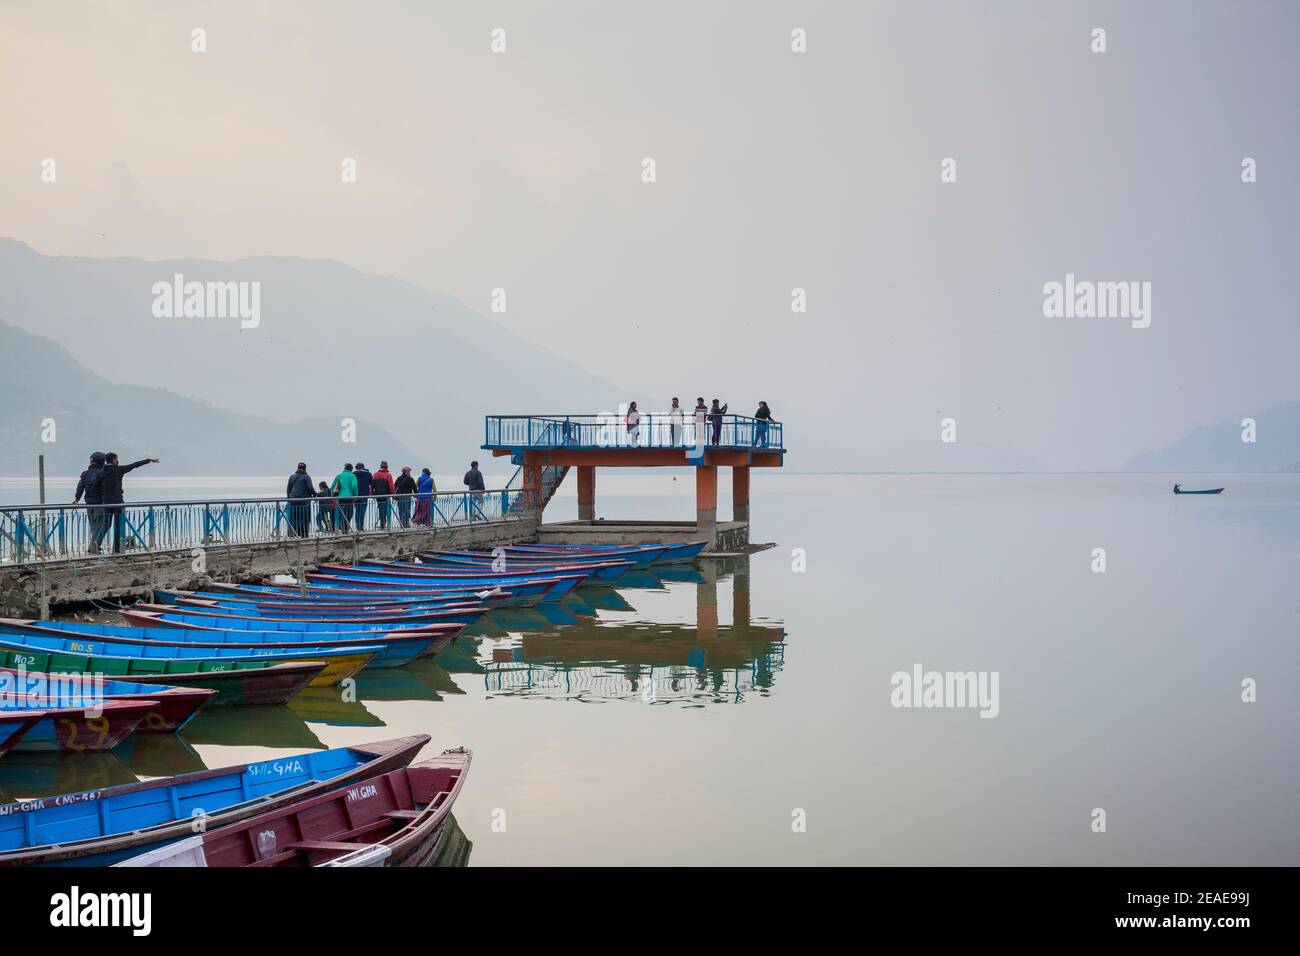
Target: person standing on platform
(299,492)
(110,489)
(715,417)
(325,508)
(426,489)
(381,489)
(763,418)
(345,489)
(88,486)
(404,487)
(363,476)
(674,424)
(633,425)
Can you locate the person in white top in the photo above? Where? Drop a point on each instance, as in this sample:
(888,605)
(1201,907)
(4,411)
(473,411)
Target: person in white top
(674,424)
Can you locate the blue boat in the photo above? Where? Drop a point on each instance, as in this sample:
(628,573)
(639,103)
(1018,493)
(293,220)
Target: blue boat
(671,554)
(55,645)
(306,619)
(99,827)
(556,586)
(390,649)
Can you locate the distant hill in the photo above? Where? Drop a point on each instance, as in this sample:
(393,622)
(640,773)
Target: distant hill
(332,343)
(39,380)
(1219,448)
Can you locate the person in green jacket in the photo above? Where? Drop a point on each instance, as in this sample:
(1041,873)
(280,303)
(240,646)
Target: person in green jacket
(345,489)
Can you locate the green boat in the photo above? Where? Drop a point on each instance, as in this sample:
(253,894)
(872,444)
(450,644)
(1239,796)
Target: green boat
(236,682)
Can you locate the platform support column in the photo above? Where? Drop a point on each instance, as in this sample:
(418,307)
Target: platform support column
(706,503)
(740,493)
(586,492)
(532,486)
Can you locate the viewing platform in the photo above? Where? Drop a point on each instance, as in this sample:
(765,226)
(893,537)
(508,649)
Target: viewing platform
(546,447)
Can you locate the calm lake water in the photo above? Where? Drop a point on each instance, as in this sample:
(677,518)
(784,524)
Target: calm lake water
(691,719)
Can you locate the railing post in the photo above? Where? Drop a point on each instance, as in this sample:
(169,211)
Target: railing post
(152,535)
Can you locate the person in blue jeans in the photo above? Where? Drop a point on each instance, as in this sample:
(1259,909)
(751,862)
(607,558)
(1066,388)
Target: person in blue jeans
(363,477)
(763,417)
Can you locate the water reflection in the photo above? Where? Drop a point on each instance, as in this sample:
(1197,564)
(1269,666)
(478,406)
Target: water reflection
(660,639)
(591,659)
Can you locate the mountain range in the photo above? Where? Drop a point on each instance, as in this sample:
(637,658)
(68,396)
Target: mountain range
(415,370)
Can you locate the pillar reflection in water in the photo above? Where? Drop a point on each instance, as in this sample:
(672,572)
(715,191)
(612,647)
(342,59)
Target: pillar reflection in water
(595,657)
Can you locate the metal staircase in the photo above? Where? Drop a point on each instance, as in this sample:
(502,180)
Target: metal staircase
(552,477)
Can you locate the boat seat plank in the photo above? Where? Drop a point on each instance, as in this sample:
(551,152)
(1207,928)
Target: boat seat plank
(312,845)
(403,814)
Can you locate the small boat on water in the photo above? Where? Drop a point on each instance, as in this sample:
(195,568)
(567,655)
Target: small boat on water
(1178,490)
(98,827)
(671,554)
(59,646)
(78,724)
(173,707)
(395,819)
(449,618)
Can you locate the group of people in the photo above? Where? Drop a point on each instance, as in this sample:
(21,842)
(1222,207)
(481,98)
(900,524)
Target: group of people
(100,486)
(712,415)
(346,501)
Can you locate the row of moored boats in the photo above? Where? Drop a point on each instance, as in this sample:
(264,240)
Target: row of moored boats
(82,687)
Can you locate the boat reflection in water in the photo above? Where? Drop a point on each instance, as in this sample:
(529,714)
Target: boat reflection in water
(591,659)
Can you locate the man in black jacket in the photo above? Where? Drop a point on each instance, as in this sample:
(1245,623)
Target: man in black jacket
(110,489)
(405,487)
(299,490)
(88,486)
(362,475)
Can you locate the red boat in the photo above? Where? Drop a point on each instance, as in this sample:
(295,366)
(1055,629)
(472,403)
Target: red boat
(174,706)
(93,728)
(395,819)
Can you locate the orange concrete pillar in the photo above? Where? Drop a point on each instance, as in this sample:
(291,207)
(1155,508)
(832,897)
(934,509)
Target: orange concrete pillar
(706,502)
(532,486)
(740,493)
(586,492)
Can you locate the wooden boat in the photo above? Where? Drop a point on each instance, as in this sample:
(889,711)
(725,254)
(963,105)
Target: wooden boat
(291,601)
(465,612)
(672,553)
(597,573)
(173,707)
(78,725)
(243,682)
(172,640)
(1202,491)
(394,819)
(44,647)
(392,647)
(456,575)
(13,724)
(452,619)
(515,596)
(640,557)
(556,587)
(98,827)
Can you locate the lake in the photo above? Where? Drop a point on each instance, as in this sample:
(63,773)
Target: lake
(745,713)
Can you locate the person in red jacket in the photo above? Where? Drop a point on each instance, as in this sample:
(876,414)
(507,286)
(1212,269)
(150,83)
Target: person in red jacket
(381,489)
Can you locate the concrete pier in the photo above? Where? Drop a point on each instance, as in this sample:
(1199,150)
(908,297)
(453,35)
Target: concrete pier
(33,590)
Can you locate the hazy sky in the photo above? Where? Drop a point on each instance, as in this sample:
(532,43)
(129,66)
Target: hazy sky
(775,170)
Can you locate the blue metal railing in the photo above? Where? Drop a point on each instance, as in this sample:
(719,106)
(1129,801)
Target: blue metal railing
(654,430)
(31,534)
